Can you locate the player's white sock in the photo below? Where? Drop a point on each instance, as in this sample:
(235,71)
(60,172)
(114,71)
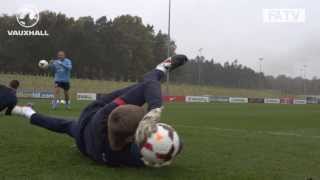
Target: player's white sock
(164,66)
(55,103)
(25,111)
(67,105)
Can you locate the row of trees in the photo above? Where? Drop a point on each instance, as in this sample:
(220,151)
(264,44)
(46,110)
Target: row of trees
(123,49)
(234,75)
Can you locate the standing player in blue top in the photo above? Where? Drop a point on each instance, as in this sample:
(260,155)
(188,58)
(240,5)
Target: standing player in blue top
(62,71)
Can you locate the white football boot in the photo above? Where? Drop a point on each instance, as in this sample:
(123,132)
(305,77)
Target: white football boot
(25,111)
(172,63)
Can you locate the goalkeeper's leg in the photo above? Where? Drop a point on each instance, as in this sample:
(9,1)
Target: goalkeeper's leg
(57,125)
(149,91)
(157,74)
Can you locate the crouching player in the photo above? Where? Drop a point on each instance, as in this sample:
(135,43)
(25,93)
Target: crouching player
(8,98)
(106,128)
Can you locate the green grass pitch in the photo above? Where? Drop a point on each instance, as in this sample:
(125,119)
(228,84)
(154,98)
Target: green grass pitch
(222,141)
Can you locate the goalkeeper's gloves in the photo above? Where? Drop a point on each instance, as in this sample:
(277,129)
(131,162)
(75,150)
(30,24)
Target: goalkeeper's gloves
(148,125)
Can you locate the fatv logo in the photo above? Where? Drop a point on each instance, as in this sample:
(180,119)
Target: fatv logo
(284,15)
(28,17)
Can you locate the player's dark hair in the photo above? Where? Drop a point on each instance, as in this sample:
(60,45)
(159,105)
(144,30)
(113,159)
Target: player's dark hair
(14,84)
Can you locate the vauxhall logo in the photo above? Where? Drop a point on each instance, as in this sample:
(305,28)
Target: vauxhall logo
(28,17)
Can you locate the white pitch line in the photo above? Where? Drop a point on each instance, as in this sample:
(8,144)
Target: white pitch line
(273,133)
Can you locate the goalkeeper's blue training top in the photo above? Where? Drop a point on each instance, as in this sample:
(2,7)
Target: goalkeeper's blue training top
(61,69)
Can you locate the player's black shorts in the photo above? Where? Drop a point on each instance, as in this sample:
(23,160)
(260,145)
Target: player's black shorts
(63,85)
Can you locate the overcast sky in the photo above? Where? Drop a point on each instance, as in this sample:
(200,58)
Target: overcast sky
(225,29)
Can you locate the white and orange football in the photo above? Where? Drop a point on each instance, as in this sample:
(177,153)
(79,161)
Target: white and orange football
(161,147)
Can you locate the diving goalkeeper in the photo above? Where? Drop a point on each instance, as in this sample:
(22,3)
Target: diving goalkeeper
(108,129)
